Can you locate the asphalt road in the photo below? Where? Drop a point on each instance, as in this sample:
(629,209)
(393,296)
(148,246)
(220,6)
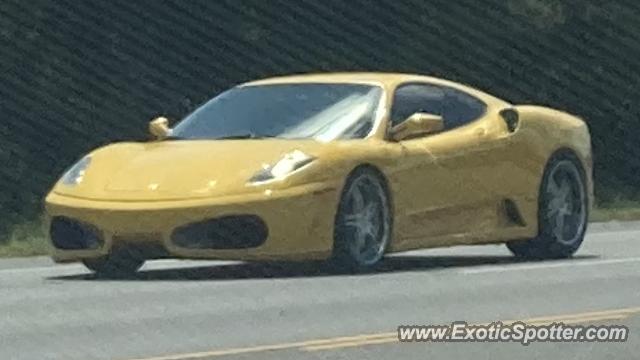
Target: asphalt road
(221,310)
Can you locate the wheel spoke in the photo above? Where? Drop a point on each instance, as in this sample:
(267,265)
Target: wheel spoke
(360,241)
(552,187)
(358,200)
(569,207)
(369,209)
(552,211)
(366,219)
(558,229)
(372,230)
(352,220)
(564,190)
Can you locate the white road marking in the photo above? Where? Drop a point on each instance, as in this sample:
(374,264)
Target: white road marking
(74,267)
(613,232)
(478,270)
(165,264)
(547,265)
(599,236)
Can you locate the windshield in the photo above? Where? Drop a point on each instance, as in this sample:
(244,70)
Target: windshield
(293,111)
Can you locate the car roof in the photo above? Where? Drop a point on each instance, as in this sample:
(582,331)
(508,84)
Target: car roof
(344,77)
(384,79)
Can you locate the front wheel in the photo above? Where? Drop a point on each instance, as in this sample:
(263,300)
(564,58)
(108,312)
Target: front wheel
(562,213)
(363,221)
(117,264)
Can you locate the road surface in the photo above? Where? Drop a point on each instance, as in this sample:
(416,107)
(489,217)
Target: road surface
(178,310)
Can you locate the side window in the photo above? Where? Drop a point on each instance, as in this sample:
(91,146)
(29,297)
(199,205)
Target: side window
(457,108)
(460,108)
(413,98)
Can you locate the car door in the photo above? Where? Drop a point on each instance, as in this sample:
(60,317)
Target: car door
(452,178)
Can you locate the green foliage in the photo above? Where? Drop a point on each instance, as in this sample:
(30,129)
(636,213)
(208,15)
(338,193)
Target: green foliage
(79,74)
(618,211)
(26,239)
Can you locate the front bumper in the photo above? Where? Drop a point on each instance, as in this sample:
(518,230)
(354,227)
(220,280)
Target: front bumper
(299,221)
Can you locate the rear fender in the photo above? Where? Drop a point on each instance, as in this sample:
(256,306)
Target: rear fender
(544,132)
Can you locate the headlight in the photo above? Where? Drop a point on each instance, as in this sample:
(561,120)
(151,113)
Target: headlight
(281,169)
(75,174)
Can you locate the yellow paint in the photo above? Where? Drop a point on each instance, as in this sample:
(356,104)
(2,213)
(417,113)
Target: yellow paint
(348,344)
(385,338)
(446,188)
(391,337)
(571,319)
(253,349)
(593,314)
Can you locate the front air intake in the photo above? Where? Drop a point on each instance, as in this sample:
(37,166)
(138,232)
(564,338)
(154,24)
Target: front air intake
(228,232)
(69,234)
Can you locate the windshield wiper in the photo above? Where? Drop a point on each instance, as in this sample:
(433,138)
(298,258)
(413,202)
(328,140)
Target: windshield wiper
(244,136)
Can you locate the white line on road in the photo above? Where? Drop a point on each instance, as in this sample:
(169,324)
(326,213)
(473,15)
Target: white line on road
(155,265)
(598,236)
(613,232)
(74,267)
(548,265)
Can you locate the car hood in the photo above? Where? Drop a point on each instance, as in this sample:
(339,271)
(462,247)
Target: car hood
(180,169)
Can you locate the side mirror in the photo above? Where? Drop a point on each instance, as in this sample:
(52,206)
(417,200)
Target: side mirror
(418,124)
(159,127)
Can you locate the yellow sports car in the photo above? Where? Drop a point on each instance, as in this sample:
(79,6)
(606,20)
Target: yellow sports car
(345,167)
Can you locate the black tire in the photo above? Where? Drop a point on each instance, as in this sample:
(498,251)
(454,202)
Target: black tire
(556,239)
(117,264)
(363,229)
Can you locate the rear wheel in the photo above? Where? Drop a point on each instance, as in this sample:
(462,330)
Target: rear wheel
(562,212)
(363,222)
(121,263)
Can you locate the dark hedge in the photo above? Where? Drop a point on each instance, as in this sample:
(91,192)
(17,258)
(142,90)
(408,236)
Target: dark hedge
(79,74)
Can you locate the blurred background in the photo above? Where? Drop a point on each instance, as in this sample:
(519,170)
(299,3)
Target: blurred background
(75,75)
